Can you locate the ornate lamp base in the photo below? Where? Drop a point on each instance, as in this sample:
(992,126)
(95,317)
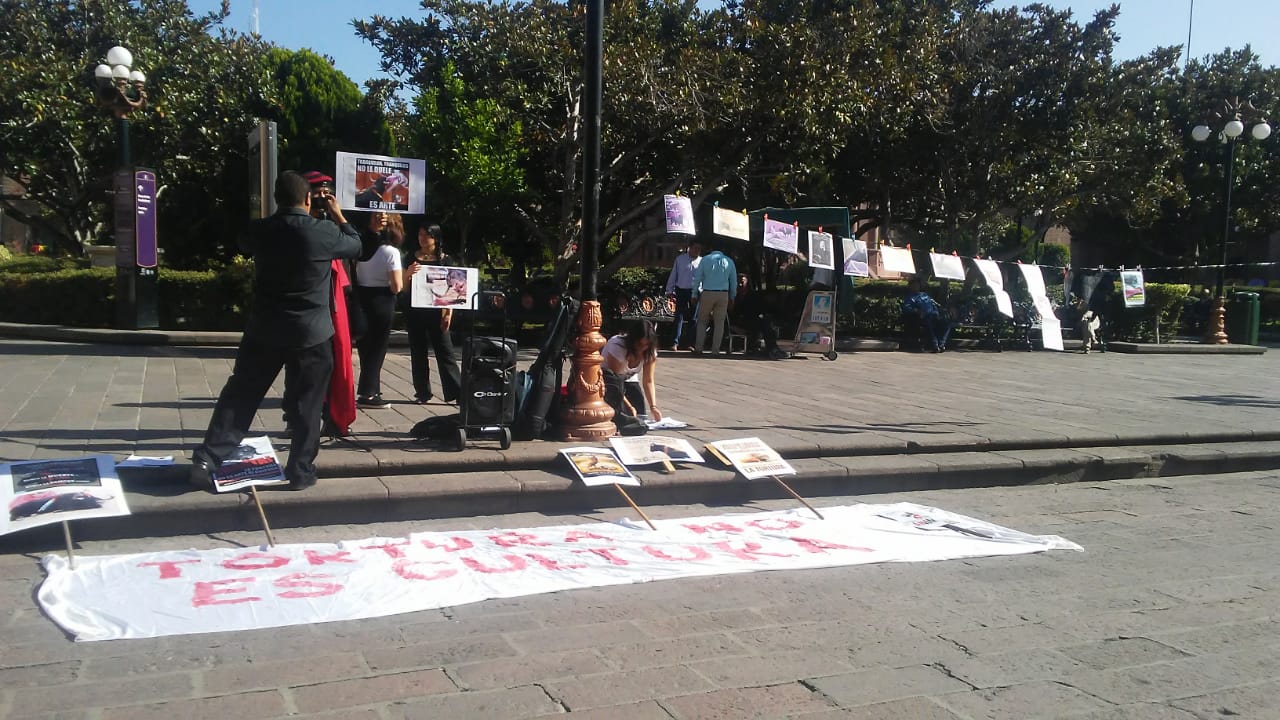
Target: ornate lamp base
(587,416)
(1215,330)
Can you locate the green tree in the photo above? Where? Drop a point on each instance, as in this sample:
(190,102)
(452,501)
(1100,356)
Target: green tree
(202,93)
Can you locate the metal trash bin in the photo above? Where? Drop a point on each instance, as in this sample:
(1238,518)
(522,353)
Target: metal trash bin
(1244,311)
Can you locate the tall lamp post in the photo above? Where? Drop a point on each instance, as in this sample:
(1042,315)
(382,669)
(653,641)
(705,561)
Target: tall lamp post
(1232,118)
(119,92)
(586,416)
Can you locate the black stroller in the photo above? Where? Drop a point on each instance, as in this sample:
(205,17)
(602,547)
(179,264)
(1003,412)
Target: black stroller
(488,400)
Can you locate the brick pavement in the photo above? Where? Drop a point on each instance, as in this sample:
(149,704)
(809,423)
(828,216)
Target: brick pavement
(1169,613)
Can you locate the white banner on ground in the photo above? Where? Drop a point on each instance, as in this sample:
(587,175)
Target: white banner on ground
(253,463)
(1050,327)
(897,260)
(381,183)
(991,273)
(679,211)
(41,492)
(199,591)
(730,223)
(949,267)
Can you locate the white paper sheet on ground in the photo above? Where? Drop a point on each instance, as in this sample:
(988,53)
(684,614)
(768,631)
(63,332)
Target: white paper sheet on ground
(822,250)
(991,273)
(598,466)
(198,591)
(855,257)
(753,458)
(679,210)
(781,236)
(255,463)
(950,267)
(897,260)
(667,423)
(140,461)
(42,492)
(649,449)
(730,223)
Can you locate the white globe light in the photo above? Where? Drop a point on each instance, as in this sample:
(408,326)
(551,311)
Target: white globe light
(102,72)
(1200,133)
(1233,129)
(120,72)
(1261,131)
(119,56)
(137,77)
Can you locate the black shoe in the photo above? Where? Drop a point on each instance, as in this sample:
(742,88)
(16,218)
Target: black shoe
(422,399)
(202,473)
(301,483)
(375,402)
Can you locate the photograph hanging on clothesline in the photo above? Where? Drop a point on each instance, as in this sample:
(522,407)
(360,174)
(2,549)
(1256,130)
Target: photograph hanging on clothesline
(679,211)
(821,250)
(781,236)
(855,257)
(730,223)
(1135,290)
(897,260)
(947,267)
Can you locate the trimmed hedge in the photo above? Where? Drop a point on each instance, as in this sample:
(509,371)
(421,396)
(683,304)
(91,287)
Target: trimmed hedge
(1164,303)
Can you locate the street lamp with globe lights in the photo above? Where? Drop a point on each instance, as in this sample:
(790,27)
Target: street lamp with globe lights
(1233,116)
(118,90)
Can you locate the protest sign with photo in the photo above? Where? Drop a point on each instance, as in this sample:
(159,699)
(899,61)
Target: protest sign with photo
(781,236)
(730,223)
(649,449)
(253,463)
(435,286)
(40,492)
(1135,290)
(752,458)
(855,257)
(821,250)
(380,183)
(598,466)
(679,211)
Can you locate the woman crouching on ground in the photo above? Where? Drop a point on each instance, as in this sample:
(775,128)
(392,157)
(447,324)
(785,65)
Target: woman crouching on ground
(629,369)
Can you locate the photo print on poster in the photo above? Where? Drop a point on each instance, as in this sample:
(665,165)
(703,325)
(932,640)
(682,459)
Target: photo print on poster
(781,236)
(679,211)
(378,183)
(821,250)
(41,492)
(855,257)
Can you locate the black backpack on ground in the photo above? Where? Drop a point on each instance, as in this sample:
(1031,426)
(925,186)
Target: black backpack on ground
(537,408)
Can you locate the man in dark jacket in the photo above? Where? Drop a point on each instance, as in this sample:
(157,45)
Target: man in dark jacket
(289,327)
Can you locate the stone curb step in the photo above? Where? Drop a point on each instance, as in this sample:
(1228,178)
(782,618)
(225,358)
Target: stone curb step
(163,509)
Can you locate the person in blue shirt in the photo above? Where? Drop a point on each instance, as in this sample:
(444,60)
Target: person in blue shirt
(680,287)
(923,314)
(715,285)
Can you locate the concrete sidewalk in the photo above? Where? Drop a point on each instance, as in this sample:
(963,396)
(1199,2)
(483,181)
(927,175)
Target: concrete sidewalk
(865,422)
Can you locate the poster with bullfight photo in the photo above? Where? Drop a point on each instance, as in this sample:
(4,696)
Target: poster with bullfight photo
(378,183)
(41,492)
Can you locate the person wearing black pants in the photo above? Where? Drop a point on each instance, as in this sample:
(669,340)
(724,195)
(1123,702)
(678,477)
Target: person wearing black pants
(378,280)
(289,327)
(428,328)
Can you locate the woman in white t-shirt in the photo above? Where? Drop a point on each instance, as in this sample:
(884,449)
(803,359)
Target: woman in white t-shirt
(378,281)
(629,367)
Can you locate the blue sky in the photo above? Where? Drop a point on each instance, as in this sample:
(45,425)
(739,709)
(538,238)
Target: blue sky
(325,26)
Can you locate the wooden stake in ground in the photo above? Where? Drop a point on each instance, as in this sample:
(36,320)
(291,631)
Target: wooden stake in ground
(711,449)
(634,506)
(71,553)
(667,467)
(271,541)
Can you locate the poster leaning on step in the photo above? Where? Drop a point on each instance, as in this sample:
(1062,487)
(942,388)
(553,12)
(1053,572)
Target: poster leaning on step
(753,458)
(42,492)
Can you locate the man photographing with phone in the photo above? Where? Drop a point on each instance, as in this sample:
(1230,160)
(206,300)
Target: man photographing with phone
(289,326)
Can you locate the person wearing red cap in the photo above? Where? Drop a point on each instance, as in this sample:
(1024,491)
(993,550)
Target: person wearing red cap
(289,326)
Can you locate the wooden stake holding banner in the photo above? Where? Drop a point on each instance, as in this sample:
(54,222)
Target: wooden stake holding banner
(271,541)
(634,506)
(599,466)
(759,454)
(71,553)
